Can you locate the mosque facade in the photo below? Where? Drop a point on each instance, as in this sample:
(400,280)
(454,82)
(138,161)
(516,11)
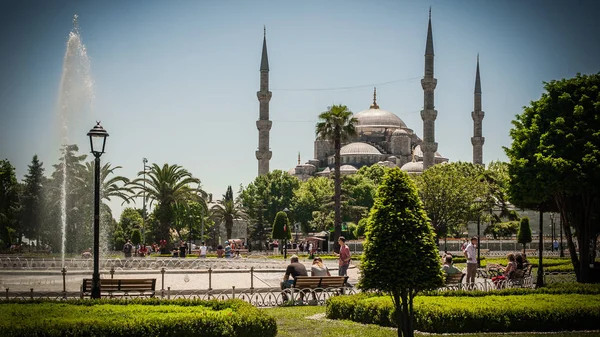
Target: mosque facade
(383,138)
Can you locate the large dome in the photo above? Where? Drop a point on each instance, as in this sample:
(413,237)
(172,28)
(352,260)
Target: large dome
(358,148)
(378,118)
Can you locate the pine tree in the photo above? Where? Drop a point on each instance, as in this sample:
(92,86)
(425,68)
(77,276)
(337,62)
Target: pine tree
(33,200)
(524,234)
(400,255)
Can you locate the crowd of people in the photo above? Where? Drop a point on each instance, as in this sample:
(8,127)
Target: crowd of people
(515,262)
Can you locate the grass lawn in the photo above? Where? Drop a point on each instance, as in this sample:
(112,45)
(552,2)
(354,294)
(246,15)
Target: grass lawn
(293,321)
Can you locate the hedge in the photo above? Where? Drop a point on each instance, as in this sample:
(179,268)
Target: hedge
(553,288)
(491,313)
(139,317)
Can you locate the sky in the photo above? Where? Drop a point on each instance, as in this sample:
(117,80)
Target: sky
(176,81)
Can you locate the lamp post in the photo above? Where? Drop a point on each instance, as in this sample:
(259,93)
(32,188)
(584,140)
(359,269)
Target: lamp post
(560,246)
(552,230)
(190,235)
(97,142)
(145,161)
(540,271)
(478,201)
(296,225)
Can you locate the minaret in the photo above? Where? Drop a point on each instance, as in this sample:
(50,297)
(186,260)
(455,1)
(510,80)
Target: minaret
(263,124)
(477,140)
(428,114)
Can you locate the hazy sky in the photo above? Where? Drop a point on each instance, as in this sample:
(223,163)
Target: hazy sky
(176,81)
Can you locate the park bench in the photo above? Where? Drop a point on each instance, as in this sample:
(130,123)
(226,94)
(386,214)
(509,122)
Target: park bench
(318,284)
(519,276)
(456,278)
(121,287)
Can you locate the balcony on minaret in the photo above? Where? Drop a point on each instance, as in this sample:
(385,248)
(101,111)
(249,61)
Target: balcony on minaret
(263,125)
(428,83)
(477,115)
(261,154)
(477,141)
(263,96)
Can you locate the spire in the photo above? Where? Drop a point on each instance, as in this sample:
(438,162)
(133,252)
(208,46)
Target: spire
(429,46)
(374,105)
(264,62)
(477,80)
(298,157)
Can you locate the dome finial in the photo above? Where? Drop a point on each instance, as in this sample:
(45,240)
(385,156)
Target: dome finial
(374,105)
(298,157)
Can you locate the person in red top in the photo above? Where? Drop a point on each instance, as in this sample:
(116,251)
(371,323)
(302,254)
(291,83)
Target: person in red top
(344,255)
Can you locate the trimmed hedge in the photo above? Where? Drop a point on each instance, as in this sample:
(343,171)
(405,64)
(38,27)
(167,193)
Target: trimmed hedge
(491,313)
(139,317)
(553,288)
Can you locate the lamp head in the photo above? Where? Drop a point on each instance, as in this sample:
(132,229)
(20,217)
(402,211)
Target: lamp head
(97,139)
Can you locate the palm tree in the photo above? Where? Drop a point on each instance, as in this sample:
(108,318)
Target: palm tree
(226,210)
(336,125)
(115,187)
(167,185)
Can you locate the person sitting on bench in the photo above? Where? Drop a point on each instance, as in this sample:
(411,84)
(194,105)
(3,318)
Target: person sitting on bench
(294,269)
(448,267)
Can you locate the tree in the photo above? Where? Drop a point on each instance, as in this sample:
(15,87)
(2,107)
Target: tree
(281,228)
(136,237)
(502,229)
(447,192)
(263,198)
(130,220)
(9,203)
(309,198)
(227,210)
(524,235)
(555,160)
(374,173)
(166,186)
(33,200)
(398,231)
(336,125)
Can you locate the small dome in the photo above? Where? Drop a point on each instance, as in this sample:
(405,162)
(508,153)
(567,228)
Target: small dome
(419,152)
(400,132)
(348,169)
(413,167)
(358,148)
(292,171)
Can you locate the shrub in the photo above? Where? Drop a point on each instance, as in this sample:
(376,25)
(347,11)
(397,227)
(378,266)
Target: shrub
(532,310)
(139,317)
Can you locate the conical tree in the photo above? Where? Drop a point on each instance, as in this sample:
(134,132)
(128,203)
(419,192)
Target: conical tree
(281,229)
(400,255)
(524,234)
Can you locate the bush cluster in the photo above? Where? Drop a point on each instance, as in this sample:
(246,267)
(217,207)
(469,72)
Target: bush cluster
(138,317)
(561,307)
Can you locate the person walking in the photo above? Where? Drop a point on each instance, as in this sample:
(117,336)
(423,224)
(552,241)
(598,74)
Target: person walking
(471,256)
(345,258)
(127,248)
(203,250)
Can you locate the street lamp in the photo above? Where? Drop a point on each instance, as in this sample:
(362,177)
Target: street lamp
(97,142)
(145,161)
(190,236)
(560,246)
(478,201)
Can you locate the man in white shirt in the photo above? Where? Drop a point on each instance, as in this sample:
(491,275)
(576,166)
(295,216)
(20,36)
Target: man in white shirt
(471,255)
(203,250)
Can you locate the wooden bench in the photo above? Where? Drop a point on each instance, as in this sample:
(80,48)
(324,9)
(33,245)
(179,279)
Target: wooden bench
(517,278)
(121,287)
(322,282)
(455,278)
(315,284)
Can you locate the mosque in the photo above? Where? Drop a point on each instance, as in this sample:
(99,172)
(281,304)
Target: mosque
(382,137)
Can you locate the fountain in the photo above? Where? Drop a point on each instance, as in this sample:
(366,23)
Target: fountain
(75,97)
